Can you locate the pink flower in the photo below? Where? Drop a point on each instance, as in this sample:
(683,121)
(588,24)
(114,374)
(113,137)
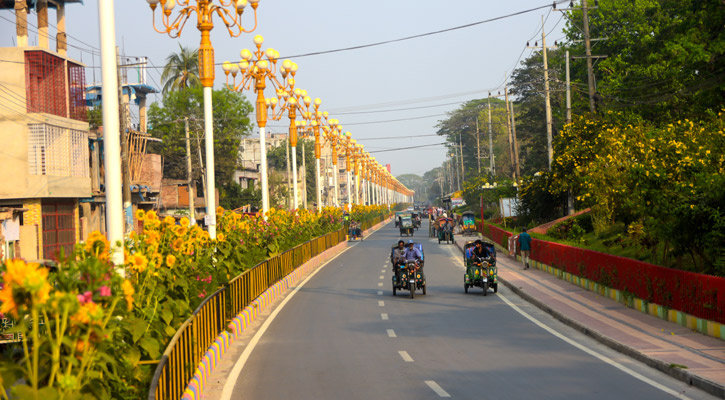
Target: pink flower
(86,297)
(104,291)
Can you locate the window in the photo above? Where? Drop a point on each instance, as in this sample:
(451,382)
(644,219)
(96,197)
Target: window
(45,83)
(76,86)
(58,229)
(57,151)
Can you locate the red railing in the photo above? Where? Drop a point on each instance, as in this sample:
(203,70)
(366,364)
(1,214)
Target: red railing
(700,295)
(45,83)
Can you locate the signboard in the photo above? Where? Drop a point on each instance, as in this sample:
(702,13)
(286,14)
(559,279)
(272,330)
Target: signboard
(509,206)
(457,201)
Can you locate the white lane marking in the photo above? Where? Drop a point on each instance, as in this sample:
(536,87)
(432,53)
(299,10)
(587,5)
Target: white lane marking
(382,276)
(380,284)
(380,292)
(436,388)
(382,271)
(391,333)
(594,353)
(239,365)
(406,356)
(384,316)
(381,303)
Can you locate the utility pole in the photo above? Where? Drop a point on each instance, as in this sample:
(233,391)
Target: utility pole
(508,129)
(203,172)
(478,147)
(515,140)
(491,156)
(548,99)
(568,91)
(189,181)
(588,53)
(126,175)
(463,171)
(549,123)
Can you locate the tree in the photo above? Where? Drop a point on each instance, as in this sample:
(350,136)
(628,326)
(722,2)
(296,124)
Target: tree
(665,58)
(416,183)
(231,124)
(181,70)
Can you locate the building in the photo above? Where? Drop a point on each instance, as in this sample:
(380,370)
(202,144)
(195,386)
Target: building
(45,139)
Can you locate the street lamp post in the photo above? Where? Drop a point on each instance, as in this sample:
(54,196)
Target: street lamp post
(255,68)
(230,12)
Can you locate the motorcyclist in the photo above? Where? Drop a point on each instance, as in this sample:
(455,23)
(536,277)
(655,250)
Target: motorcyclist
(398,258)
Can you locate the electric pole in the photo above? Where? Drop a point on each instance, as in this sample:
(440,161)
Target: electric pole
(189,181)
(515,140)
(508,130)
(568,91)
(126,174)
(549,122)
(478,147)
(463,171)
(588,53)
(491,156)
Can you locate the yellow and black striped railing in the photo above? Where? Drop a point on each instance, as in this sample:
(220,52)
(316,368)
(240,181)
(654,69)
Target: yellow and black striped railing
(196,335)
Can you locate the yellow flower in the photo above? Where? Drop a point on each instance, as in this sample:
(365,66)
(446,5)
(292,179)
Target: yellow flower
(151,216)
(220,210)
(220,237)
(25,282)
(128,292)
(139,262)
(184,222)
(169,220)
(140,214)
(87,313)
(177,243)
(170,260)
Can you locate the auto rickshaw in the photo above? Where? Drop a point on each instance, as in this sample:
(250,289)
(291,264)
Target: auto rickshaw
(468,223)
(480,272)
(442,232)
(398,215)
(409,275)
(406,226)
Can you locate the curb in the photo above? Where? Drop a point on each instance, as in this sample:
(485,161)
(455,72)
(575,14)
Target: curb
(195,387)
(699,382)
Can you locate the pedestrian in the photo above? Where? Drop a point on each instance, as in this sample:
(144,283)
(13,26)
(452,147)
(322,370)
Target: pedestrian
(524,242)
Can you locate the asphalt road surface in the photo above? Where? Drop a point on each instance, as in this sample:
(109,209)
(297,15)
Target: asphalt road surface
(345,336)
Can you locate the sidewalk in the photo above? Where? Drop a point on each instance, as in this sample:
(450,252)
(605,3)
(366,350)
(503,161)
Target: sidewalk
(691,357)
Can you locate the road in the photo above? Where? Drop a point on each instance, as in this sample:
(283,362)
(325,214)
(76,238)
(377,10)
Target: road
(344,335)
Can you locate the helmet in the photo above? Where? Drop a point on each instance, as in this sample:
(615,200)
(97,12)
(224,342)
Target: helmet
(410,241)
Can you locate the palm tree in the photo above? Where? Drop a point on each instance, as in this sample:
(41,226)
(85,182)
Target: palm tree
(181,70)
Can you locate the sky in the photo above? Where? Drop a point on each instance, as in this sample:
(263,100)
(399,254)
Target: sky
(388,96)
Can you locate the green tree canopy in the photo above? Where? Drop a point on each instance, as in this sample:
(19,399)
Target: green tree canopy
(231,124)
(181,70)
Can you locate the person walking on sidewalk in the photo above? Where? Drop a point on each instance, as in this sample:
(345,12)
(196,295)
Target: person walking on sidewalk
(524,242)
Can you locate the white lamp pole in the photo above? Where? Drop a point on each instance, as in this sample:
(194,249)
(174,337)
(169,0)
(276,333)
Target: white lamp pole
(112,135)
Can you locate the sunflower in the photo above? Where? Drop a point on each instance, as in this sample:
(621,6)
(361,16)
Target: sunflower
(140,214)
(170,260)
(128,292)
(184,222)
(139,262)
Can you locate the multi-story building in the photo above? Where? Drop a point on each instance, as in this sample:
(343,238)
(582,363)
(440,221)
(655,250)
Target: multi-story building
(45,137)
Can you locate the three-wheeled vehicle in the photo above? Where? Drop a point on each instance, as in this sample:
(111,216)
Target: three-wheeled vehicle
(409,275)
(468,223)
(480,272)
(406,226)
(416,219)
(398,215)
(445,232)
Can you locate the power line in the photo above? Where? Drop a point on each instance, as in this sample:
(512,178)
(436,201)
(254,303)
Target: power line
(427,33)
(407,148)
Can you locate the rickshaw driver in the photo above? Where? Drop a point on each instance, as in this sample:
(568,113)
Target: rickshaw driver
(480,250)
(411,253)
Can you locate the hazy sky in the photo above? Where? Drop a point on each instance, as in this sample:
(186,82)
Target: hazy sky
(400,89)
